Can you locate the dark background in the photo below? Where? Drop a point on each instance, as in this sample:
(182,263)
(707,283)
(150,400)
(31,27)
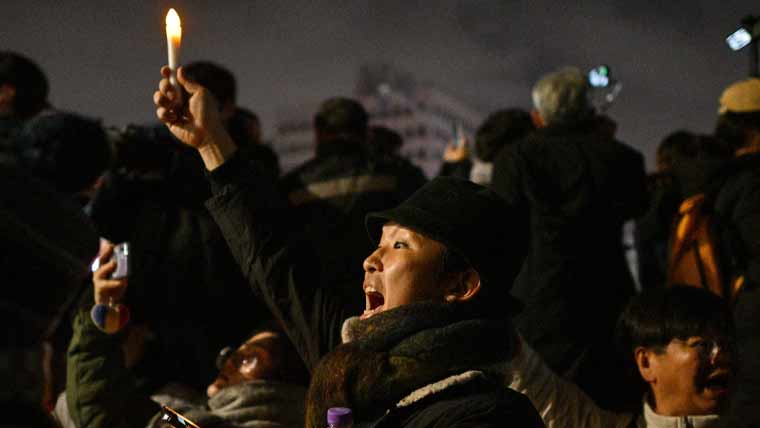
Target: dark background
(103,57)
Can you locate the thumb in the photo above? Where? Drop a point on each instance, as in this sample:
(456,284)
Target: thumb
(190,86)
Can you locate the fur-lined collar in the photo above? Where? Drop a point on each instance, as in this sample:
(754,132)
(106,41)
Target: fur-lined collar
(440,386)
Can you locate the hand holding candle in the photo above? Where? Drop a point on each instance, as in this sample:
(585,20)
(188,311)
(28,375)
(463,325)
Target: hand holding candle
(173,41)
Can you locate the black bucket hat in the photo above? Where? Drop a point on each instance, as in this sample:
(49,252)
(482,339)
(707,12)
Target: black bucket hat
(472,221)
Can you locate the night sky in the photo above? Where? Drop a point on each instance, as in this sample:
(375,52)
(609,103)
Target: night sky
(103,57)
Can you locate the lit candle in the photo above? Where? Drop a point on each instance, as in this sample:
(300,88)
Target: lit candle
(173,39)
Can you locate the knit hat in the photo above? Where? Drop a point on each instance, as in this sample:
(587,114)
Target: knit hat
(741,97)
(472,221)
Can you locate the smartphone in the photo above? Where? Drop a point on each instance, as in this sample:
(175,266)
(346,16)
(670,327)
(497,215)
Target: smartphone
(171,418)
(739,39)
(457,133)
(603,88)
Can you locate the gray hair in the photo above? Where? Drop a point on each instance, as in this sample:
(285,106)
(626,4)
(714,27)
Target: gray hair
(561,97)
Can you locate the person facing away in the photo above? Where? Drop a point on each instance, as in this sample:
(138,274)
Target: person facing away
(242,124)
(680,342)
(331,193)
(385,143)
(261,382)
(664,195)
(575,186)
(501,128)
(436,290)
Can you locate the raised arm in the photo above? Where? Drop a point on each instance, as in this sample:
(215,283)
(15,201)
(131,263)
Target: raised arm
(252,217)
(560,402)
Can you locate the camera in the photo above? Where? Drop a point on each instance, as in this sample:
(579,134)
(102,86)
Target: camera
(121,255)
(603,87)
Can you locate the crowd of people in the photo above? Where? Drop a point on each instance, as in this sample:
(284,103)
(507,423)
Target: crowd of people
(494,294)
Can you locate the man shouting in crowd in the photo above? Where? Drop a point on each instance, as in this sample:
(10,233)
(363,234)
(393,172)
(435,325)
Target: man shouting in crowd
(438,308)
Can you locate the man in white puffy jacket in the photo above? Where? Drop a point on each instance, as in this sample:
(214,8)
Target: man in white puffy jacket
(681,341)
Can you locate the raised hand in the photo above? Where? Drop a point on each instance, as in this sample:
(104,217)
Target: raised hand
(195,121)
(107,290)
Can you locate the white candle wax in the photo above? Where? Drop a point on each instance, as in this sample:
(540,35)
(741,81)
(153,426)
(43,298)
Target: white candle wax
(173,41)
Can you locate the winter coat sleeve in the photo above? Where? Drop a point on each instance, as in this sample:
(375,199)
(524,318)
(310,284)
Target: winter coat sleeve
(560,403)
(250,213)
(100,390)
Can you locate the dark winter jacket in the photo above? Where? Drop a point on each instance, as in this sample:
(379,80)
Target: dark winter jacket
(332,193)
(577,187)
(737,206)
(102,392)
(248,211)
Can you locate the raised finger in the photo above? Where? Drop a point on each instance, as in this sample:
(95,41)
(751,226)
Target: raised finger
(166,71)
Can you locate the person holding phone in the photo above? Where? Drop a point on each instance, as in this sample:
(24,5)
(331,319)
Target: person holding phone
(262,381)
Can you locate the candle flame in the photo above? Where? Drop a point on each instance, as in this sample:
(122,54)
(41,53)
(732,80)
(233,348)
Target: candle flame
(173,25)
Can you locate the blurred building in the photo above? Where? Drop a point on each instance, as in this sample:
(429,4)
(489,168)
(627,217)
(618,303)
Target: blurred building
(294,135)
(423,114)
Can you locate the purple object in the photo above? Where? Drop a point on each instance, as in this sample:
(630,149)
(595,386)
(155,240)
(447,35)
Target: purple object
(340,417)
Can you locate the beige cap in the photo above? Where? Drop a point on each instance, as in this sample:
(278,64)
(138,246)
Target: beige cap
(741,97)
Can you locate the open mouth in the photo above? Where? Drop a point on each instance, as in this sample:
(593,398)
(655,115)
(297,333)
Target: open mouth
(718,383)
(375,302)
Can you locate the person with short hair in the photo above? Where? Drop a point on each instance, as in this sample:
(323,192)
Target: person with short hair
(331,193)
(680,343)
(575,186)
(436,288)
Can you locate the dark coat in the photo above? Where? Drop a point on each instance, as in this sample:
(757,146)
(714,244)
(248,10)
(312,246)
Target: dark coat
(183,282)
(332,193)
(311,311)
(577,187)
(737,206)
(476,403)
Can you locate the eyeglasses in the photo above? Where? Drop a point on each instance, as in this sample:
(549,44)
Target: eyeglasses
(237,358)
(708,349)
(170,418)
